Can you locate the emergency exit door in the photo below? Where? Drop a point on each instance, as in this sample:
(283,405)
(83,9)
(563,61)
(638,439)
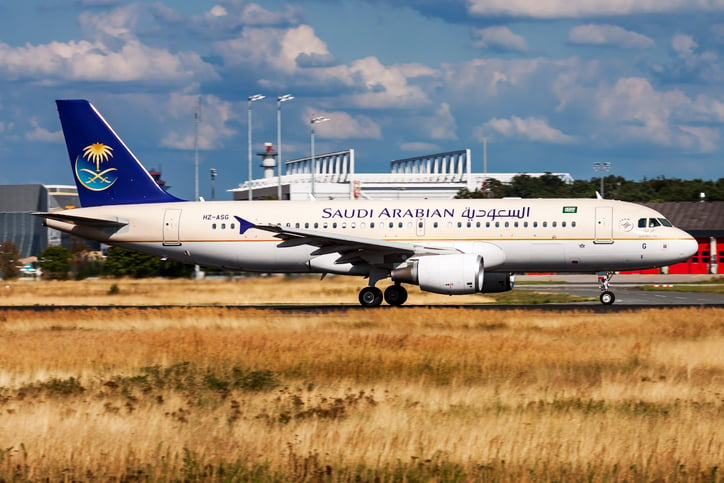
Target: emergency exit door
(171,227)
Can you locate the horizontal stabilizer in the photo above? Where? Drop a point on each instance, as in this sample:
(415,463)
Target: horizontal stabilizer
(83,220)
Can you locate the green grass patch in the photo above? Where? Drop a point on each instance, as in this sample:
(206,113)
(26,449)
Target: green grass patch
(691,288)
(525,297)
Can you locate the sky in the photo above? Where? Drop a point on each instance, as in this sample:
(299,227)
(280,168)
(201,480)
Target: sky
(553,85)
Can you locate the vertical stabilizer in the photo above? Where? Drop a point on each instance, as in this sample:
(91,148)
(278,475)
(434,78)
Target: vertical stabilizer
(106,172)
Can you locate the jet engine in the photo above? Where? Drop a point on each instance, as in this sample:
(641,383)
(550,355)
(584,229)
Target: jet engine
(454,274)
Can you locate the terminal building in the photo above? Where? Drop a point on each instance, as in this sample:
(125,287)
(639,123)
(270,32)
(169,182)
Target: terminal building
(434,176)
(18,225)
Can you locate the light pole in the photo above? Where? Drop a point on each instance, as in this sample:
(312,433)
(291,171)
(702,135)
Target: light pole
(601,167)
(312,122)
(280,99)
(252,98)
(212,172)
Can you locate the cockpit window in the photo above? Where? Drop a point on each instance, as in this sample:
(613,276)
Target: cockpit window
(653,222)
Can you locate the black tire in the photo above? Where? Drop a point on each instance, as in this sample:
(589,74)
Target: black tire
(370,297)
(607,297)
(395,295)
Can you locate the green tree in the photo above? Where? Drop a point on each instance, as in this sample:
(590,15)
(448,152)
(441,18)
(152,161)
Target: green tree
(9,256)
(121,262)
(55,263)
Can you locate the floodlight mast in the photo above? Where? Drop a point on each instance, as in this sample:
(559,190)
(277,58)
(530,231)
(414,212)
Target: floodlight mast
(251,98)
(280,99)
(312,122)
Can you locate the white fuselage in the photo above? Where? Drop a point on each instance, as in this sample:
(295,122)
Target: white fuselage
(512,235)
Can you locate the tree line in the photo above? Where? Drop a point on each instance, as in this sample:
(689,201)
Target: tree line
(60,263)
(614,187)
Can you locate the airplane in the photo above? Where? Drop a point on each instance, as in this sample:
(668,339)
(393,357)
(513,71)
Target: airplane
(460,246)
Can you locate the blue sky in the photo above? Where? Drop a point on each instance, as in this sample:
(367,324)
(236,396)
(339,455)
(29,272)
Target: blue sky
(553,85)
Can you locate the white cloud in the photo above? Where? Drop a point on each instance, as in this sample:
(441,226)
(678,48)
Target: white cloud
(684,45)
(530,129)
(587,8)
(39,133)
(420,147)
(611,35)
(342,125)
(215,115)
(499,38)
(272,47)
(632,109)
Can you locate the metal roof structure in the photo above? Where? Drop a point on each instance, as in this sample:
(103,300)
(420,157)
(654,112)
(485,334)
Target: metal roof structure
(439,175)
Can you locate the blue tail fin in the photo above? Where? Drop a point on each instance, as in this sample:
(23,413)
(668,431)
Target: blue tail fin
(106,172)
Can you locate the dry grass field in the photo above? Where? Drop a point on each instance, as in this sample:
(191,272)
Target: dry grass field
(396,394)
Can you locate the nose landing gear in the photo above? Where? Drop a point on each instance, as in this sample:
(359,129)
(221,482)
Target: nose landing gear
(607,297)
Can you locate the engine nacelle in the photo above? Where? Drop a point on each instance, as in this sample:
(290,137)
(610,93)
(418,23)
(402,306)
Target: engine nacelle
(455,274)
(446,274)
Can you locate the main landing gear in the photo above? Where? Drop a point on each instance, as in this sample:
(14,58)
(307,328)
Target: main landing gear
(607,297)
(393,295)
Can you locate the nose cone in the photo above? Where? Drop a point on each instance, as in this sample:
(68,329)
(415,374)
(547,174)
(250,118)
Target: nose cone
(686,247)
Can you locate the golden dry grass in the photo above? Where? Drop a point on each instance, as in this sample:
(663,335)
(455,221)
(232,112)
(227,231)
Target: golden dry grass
(409,394)
(248,291)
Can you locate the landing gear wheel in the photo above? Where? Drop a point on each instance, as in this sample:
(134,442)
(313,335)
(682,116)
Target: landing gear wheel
(607,297)
(370,297)
(395,295)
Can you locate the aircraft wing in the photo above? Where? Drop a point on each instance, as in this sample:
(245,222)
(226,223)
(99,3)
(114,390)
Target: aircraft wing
(83,220)
(352,249)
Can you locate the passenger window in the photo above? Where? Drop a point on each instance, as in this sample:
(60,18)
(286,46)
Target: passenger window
(497,224)
(353,225)
(334,225)
(434,225)
(642,222)
(399,224)
(525,224)
(297,225)
(316,225)
(469,224)
(233,226)
(372,224)
(419,224)
(507,224)
(554,224)
(535,224)
(487,224)
(573,224)
(392,225)
(361,225)
(306,225)
(563,224)
(223,226)
(325,225)
(460,224)
(515,224)
(344,224)
(213,226)
(545,224)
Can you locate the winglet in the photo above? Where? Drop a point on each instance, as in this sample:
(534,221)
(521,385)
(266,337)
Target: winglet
(244,225)
(106,172)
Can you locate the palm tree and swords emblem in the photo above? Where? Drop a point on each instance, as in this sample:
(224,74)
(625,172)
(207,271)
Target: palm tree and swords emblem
(92,157)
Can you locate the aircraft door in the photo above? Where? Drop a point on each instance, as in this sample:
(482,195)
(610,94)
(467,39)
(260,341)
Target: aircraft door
(171,220)
(604,225)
